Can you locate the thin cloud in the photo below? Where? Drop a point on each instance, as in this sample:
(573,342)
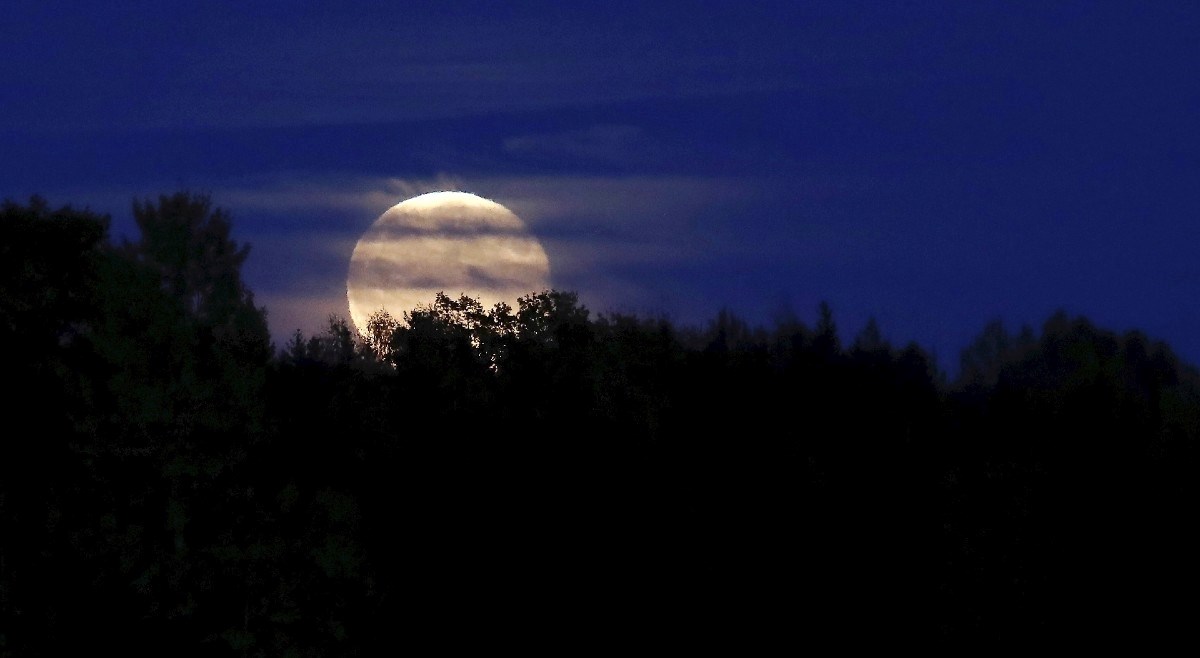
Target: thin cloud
(295,311)
(592,229)
(605,236)
(603,143)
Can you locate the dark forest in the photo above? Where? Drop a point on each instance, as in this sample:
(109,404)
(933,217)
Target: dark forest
(173,483)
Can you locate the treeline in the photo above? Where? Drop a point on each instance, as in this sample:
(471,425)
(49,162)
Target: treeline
(173,483)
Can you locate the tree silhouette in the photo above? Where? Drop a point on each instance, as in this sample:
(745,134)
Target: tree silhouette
(170,356)
(825,339)
(195,492)
(49,305)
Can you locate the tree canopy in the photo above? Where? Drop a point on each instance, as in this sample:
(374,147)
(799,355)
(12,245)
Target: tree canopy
(194,490)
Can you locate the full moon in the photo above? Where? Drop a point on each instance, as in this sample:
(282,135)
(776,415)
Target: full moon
(451,242)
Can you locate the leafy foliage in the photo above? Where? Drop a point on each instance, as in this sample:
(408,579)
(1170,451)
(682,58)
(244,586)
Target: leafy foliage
(195,491)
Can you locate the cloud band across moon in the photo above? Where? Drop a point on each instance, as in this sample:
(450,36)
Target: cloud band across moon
(451,242)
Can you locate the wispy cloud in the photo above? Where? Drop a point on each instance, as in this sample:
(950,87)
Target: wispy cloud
(612,239)
(289,312)
(604,236)
(604,143)
(315,66)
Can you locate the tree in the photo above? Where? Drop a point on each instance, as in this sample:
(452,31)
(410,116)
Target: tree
(48,268)
(50,259)
(184,353)
(337,346)
(549,316)
(185,246)
(870,341)
(381,326)
(826,339)
(187,243)
(549,360)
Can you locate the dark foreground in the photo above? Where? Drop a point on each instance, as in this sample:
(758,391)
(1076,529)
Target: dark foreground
(172,484)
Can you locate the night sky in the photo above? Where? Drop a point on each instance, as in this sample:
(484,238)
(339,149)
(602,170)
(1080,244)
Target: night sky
(934,165)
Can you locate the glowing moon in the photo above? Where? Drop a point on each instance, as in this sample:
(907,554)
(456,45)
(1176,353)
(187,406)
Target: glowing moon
(451,242)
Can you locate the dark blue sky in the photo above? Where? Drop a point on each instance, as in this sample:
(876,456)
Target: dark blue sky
(936,165)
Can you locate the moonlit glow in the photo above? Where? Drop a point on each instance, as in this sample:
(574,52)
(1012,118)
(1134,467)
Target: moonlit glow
(451,242)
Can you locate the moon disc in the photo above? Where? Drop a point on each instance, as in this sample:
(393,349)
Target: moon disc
(451,242)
